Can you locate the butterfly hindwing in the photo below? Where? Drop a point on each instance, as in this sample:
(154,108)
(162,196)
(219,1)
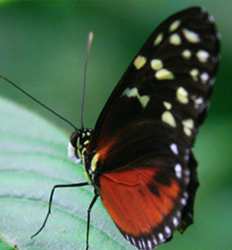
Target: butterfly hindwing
(141,147)
(146,196)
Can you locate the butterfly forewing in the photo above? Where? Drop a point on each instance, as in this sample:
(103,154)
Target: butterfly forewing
(176,65)
(141,145)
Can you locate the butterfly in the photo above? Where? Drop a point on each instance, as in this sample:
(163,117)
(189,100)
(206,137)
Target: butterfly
(139,156)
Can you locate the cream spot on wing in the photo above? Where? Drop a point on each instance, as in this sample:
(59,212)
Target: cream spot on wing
(194,73)
(94,162)
(182,95)
(156,64)
(139,62)
(186,54)
(174,26)
(168,118)
(187,131)
(158,39)
(143,99)
(164,74)
(202,56)
(175,39)
(191,36)
(167,105)
(188,125)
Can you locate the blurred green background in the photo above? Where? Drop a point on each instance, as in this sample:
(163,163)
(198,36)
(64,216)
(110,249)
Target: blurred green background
(42,47)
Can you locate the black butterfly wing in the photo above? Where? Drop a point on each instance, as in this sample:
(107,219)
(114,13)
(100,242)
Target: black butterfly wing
(176,66)
(141,145)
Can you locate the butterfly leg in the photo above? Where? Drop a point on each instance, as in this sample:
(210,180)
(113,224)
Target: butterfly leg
(88,219)
(51,199)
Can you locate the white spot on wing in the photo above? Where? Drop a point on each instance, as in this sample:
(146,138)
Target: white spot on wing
(187,172)
(178,214)
(133,241)
(174,148)
(191,36)
(144,244)
(167,230)
(183,201)
(204,77)
(168,118)
(211,19)
(185,194)
(140,244)
(175,221)
(178,170)
(164,74)
(161,237)
(154,240)
(149,244)
(202,56)
(198,102)
(139,62)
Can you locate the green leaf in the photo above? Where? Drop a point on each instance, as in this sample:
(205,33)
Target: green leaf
(33,158)
(4,245)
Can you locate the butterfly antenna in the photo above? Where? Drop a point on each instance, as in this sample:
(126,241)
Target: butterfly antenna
(37,101)
(89,45)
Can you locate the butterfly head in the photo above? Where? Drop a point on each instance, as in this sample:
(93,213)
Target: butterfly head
(78,143)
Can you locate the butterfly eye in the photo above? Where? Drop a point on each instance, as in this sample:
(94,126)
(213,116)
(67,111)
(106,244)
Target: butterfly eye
(74,138)
(73,147)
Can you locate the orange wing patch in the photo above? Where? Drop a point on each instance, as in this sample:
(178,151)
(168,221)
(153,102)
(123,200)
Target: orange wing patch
(136,209)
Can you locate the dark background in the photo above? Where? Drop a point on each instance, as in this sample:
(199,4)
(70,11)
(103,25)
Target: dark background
(42,47)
